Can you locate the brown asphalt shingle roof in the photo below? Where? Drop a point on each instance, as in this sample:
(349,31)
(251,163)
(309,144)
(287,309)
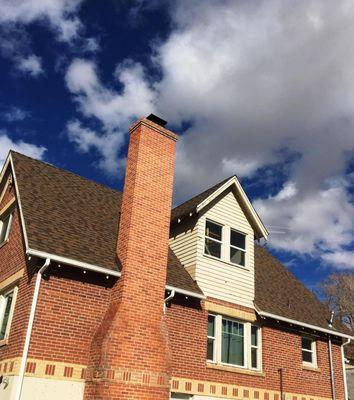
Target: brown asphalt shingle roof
(279,292)
(70,216)
(73,217)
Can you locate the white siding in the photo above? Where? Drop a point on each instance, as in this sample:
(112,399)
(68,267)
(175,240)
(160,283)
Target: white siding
(183,241)
(219,279)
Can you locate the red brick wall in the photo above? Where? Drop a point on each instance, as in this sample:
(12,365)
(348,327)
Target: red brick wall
(281,349)
(12,260)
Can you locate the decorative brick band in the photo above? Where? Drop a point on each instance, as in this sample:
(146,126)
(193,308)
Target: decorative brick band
(225,391)
(144,378)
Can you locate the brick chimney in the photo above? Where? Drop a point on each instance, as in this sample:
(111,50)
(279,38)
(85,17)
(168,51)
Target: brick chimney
(129,353)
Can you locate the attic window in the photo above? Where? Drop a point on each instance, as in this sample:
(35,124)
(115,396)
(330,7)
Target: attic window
(5,227)
(213,239)
(237,248)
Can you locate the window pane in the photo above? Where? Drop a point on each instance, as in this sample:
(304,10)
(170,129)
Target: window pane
(238,239)
(237,256)
(232,343)
(210,349)
(254,358)
(5,320)
(5,224)
(212,248)
(254,335)
(211,325)
(306,343)
(307,356)
(213,230)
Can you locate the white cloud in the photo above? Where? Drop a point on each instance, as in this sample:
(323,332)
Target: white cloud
(255,81)
(113,109)
(60,14)
(7,144)
(107,145)
(15,114)
(31,65)
(340,259)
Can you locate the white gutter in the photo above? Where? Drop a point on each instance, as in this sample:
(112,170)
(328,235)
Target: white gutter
(29,329)
(186,292)
(304,324)
(70,261)
(346,397)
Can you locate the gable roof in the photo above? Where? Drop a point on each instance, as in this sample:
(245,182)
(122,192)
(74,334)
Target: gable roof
(197,204)
(75,218)
(279,293)
(69,216)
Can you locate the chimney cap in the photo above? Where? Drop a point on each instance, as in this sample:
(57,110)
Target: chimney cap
(157,120)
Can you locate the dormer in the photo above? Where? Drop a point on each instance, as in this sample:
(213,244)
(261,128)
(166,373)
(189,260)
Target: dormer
(213,235)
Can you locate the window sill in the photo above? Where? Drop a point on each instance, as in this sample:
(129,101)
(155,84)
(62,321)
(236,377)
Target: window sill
(4,342)
(312,368)
(2,245)
(237,370)
(245,268)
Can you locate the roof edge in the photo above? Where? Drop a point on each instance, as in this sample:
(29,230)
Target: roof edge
(303,324)
(100,270)
(234,181)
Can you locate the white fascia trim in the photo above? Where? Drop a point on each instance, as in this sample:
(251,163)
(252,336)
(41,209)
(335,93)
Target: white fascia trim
(304,324)
(250,208)
(70,261)
(186,292)
(101,270)
(19,202)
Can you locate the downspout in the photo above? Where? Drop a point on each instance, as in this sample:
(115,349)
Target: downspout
(29,329)
(167,299)
(344,371)
(331,358)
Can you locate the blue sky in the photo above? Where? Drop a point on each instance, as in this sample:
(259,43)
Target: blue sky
(263,90)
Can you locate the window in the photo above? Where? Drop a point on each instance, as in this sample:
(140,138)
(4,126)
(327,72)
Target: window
(233,342)
(5,226)
(254,347)
(308,351)
(213,239)
(7,305)
(211,338)
(237,247)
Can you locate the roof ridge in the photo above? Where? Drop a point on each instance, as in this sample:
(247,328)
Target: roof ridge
(66,171)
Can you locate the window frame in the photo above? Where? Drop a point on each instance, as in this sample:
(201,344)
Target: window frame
(214,338)
(238,248)
(247,341)
(258,348)
(221,242)
(8,229)
(3,294)
(313,352)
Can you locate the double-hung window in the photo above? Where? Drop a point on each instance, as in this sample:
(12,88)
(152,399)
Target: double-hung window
(234,343)
(213,239)
(237,248)
(5,226)
(309,357)
(211,347)
(7,305)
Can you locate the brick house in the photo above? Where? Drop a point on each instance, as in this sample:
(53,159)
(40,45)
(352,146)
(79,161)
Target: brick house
(109,295)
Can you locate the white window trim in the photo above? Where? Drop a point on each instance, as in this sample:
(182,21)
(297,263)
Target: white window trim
(247,344)
(8,226)
(238,248)
(222,241)
(258,347)
(313,351)
(214,338)
(225,252)
(13,289)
